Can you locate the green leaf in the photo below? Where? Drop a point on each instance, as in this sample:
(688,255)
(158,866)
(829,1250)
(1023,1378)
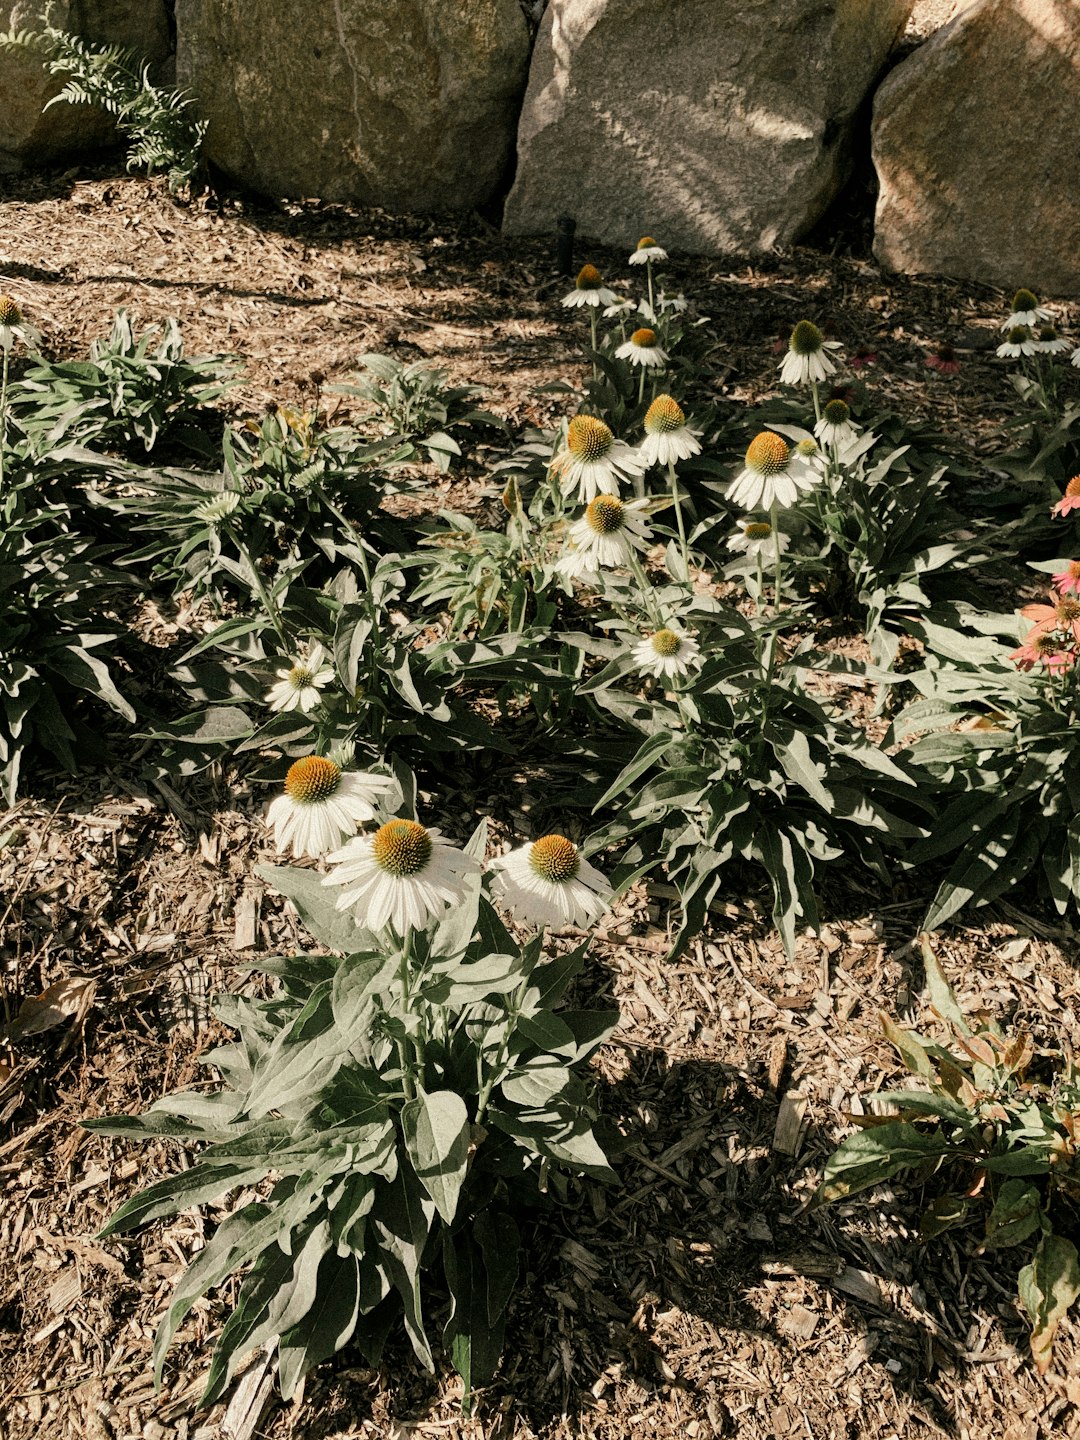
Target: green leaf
(456,929)
(560,1133)
(326,1326)
(401,1223)
(474,1340)
(532,1085)
(317,907)
(871,1156)
(645,757)
(498,1236)
(181,1192)
(798,766)
(268,1277)
(437,1137)
(1016,1215)
(1048,1286)
(941,995)
(353,992)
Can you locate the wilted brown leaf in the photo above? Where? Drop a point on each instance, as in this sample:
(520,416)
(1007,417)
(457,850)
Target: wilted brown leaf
(68,999)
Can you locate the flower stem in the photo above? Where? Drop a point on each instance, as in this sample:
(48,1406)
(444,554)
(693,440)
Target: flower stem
(652,304)
(638,572)
(592,326)
(3,420)
(408,1056)
(679,516)
(273,613)
(817,398)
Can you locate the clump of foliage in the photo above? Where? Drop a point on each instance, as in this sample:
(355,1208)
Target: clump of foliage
(1000,1117)
(157,122)
(403,1106)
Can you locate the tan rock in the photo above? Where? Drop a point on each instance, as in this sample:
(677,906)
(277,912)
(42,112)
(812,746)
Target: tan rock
(711,125)
(409,104)
(975,142)
(30,137)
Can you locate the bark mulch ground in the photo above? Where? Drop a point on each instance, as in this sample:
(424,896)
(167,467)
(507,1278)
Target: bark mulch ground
(698,1300)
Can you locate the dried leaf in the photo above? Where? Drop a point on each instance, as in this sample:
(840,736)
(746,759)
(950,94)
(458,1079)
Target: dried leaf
(68,999)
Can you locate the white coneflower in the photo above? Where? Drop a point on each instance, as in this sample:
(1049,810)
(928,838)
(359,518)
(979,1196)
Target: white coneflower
(298,685)
(592,461)
(548,883)
(807,358)
(322,804)
(835,429)
(667,652)
(772,475)
(1019,341)
(1048,341)
(647,249)
(668,438)
(643,349)
(609,531)
(619,307)
(757,537)
(13,327)
(403,875)
(1026,310)
(589,289)
(218,507)
(677,304)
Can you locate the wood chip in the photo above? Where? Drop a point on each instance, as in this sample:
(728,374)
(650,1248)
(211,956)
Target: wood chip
(787,1137)
(245,935)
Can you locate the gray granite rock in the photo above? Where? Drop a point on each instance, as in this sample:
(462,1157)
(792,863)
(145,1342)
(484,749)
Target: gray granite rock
(29,137)
(711,125)
(408,104)
(975,143)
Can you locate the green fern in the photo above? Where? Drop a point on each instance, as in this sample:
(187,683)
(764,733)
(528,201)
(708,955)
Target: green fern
(157,123)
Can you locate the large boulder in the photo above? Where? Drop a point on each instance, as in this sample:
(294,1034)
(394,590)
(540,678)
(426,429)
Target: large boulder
(29,136)
(975,142)
(712,125)
(409,104)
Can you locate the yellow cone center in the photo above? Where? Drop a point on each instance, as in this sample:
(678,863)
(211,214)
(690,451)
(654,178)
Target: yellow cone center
(1018,334)
(589,278)
(757,530)
(604,514)
(1068,610)
(555,858)
(311,779)
(1073,487)
(664,416)
(588,438)
(1023,301)
(767,453)
(837,412)
(643,337)
(401,847)
(646,242)
(665,642)
(10,314)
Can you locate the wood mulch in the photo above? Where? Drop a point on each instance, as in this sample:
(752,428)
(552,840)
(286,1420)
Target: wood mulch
(701,1299)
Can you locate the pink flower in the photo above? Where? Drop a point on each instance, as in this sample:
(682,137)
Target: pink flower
(1061,614)
(1070,500)
(1068,579)
(862,358)
(944,360)
(1041,648)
